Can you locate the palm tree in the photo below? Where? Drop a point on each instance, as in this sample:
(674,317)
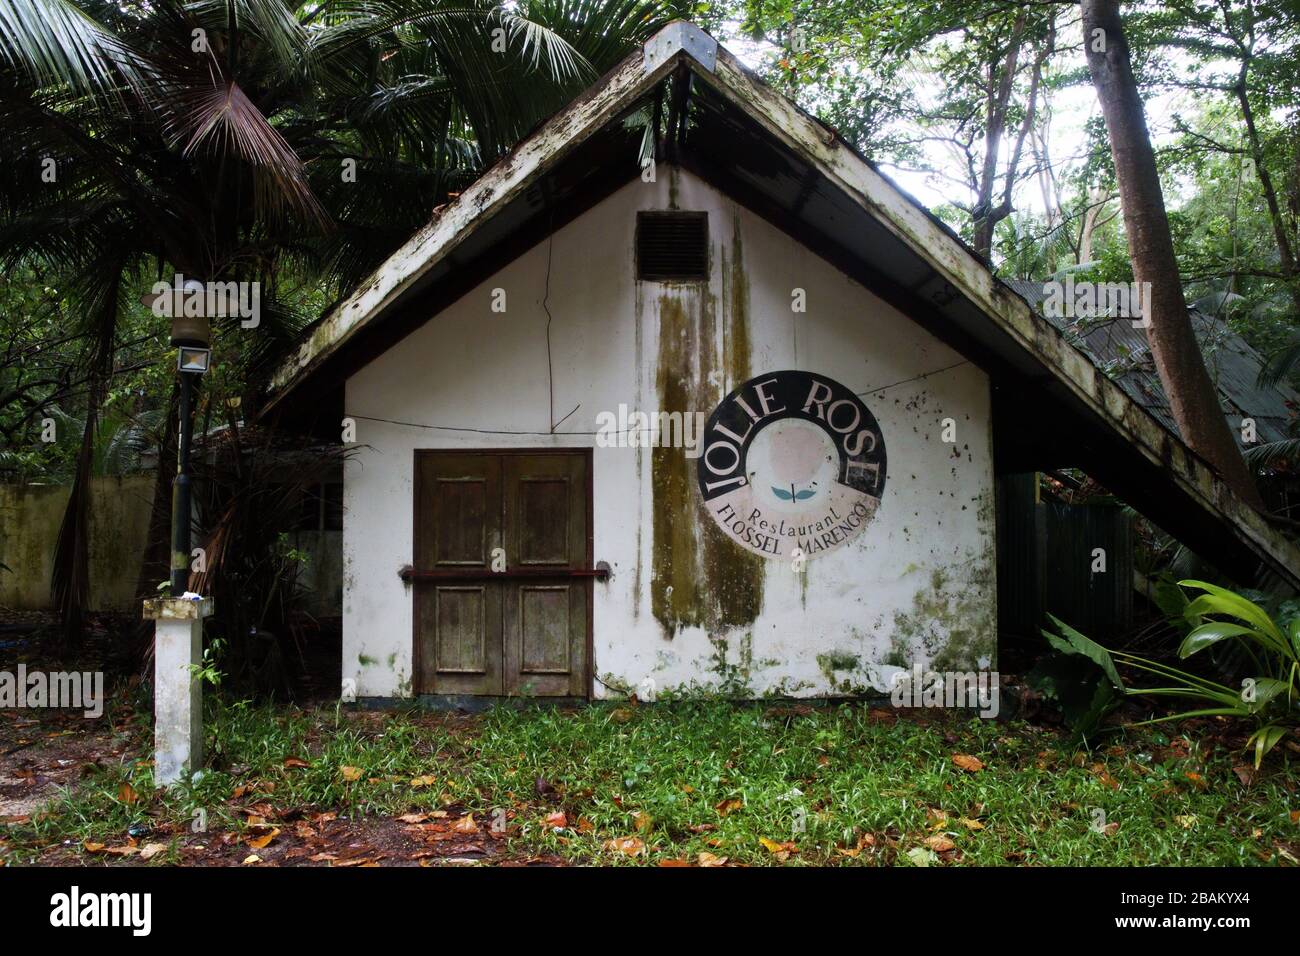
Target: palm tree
(289,143)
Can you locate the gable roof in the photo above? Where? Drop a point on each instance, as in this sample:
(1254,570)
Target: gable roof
(1053,407)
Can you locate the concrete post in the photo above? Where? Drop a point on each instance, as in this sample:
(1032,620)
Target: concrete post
(177,693)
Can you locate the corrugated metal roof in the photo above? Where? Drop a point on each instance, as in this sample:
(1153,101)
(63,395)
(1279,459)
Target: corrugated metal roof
(1122,351)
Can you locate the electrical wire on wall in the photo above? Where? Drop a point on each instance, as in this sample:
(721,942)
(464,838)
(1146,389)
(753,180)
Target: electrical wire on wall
(508,431)
(546,295)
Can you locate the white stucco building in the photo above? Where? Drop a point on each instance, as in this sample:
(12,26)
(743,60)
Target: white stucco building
(841,377)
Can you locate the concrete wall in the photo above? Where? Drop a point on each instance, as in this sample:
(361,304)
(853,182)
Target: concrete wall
(30,516)
(686,606)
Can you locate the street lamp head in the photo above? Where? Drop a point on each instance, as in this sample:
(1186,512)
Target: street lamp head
(195,360)
(191,330)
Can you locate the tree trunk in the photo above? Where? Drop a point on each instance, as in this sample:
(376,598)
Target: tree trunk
(1092,221)
(1193,399)
(1285,254)
(998,96)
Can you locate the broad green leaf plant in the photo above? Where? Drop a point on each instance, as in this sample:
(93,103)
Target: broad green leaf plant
(1270,699)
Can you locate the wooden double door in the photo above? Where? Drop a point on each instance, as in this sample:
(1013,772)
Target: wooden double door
(502,595)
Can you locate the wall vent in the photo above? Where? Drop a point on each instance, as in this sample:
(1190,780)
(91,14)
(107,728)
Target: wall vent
(672,246)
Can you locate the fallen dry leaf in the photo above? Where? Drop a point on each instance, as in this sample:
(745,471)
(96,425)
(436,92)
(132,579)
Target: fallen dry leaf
(968,763)
(263,840)
(350,773)
(295,762)
(151,850)
(940,843)
(628,845)
(706,858)
(729,805)
(251,859)
(557,820)
(126,793)
(466,824)
(424,781)
(781,851)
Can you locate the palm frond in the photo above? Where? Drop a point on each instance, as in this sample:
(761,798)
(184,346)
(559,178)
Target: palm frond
(218,118)
(1281,366)
(1273,453)
(56,43)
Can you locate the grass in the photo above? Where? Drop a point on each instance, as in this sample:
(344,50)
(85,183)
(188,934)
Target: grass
(752,783)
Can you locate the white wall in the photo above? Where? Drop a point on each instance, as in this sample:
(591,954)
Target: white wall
(917,585)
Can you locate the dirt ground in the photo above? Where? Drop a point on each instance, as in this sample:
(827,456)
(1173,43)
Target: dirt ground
(41,755)
(44,753)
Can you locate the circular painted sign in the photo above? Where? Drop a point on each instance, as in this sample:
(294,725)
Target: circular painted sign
(792,460)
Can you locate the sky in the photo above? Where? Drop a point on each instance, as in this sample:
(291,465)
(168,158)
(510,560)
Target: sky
(1071,108)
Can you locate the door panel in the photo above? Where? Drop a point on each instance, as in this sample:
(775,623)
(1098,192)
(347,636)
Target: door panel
(546,618)
(460,629)
(458,623)
(543,520)
(461,519)
(544,626)
(482,632)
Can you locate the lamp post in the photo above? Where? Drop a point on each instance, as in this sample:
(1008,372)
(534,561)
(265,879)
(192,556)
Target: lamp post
(186,302)
(192,360)
(178,627)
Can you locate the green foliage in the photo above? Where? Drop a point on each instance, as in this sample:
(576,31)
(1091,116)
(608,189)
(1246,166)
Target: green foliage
(1080,679)
(1268,697)
(292,145)
(816,778)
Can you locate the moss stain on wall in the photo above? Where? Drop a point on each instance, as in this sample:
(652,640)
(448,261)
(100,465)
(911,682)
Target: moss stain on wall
(639,332)
(950,627)
(699,578)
